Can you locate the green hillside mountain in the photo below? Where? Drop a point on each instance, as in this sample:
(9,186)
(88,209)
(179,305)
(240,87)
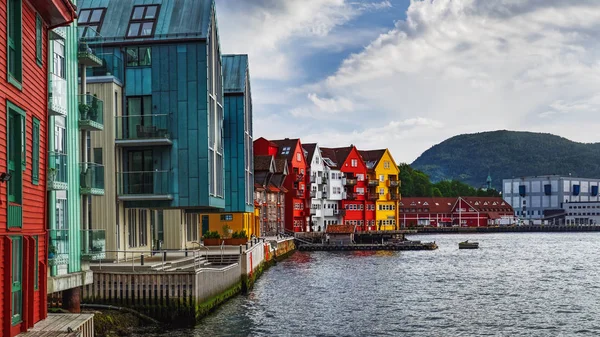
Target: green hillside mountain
(506,154)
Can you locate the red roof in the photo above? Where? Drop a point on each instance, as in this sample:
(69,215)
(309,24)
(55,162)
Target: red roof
(489,204)
(435,205)
(272,188)
(340,229)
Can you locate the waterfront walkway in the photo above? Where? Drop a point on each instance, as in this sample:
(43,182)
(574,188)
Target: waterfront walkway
(63,325)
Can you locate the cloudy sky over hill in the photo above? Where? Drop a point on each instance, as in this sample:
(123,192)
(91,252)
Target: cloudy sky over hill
(408,74)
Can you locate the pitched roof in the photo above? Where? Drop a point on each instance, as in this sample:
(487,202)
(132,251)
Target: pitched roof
(273,188)
(340,154)
(280,166)
(310,149)
(177,19)
(340,229)
(235,68)
(262,163)
(487,204)
(371,157)
(282,144)
(329,157)
(435,205)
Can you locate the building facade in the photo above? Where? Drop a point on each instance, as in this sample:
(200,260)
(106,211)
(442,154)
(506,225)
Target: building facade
(383,187)
(539,197)
(297,209)
(165,139)
(24,137)
(579,213)
(270,194)
(458,212)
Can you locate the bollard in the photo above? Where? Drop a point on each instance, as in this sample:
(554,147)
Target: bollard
(142,259)
(165,255)
(186,252)
(241,249)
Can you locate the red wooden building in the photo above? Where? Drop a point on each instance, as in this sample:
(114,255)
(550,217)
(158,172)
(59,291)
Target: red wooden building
(296,201)
(461,211)
(23,134)
(359,211)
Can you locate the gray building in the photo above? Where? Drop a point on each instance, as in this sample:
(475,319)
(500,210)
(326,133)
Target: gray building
(582,213)
(543,197)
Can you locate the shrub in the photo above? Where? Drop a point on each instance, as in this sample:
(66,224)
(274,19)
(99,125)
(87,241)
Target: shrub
(212,235)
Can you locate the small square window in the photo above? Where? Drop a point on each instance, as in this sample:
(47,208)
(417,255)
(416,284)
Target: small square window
(143,21)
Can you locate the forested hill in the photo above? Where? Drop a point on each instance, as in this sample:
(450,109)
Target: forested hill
(506,154)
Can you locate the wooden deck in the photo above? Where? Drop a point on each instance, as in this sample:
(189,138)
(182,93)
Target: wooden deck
(63,325)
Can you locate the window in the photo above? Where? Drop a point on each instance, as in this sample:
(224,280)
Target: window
(139,56)
(381,178)
(16,155)
(91,21)
(137,227)
(226,217)
(35,155)
(386,164)
(15,52)
(191,222)
(285,150)
(143,21)
(58,58)
(354,163)
(381,191)
(39,38)
(298,157)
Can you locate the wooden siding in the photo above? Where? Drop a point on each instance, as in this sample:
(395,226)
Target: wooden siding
(104,210)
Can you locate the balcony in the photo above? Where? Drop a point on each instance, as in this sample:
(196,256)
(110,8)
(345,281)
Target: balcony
(373,183)
(299,178)
(112,65)
(324,194)
(323,180)
(57,171)
(328,212)
(57,97)
(144,186)
(87,55)
(350,196)
(91,113)
(93,244)
(394,196)
(58,247)
(340,212)
(91,179)
(313,194)
(300,194)
(143,130)
(313,211)
(373,196)
(349,181)
(393,183)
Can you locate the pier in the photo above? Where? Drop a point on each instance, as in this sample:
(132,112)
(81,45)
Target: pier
(408,245)
(504,229)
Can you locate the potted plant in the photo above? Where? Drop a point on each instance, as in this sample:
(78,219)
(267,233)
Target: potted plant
(83,110)
(52,252)
(94,108)
(52,172)
(211,238)
(227,231)
(237,238)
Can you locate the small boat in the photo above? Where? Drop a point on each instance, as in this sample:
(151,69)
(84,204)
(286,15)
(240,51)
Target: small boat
(468,245)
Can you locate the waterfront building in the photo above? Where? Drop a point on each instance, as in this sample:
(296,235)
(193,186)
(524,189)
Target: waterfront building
(238,149)
(383,187)
(340,234)
(586,213)
(296,206)
(334,187)
(24,138)
(163,144)
(461,211)
(539,198)
(359,210)
(270,193)
(324,201)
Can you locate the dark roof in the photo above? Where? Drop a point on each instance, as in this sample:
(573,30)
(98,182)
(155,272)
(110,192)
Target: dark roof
(280,165)
(341,154)
(435,205)
(310,148)
(283,143)
(235,68)
(262,163)
(177,19)
(371,157)
(340,229)
(327,153)
(486,204)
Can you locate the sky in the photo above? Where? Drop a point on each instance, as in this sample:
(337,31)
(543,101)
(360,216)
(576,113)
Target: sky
(406,75)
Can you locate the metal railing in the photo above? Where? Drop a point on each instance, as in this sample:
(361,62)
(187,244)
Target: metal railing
(57,168)
(142,127)
(112,65)
(91,177)
(144,183)
(57,97)
(58,247)
(138,260)
(93,244)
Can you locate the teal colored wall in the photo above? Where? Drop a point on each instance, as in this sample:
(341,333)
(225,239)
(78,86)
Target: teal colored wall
(235,180)
(177,81)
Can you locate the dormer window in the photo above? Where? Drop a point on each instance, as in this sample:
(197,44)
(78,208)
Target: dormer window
(285,151)
(143,21)
(90,21)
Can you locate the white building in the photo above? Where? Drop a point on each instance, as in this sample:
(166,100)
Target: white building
(325,189)
(582,213)
(544,197)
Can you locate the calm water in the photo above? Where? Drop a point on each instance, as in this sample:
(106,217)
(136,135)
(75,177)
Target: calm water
(514,285)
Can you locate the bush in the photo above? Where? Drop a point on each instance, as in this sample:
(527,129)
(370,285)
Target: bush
(239,235)
(212,235)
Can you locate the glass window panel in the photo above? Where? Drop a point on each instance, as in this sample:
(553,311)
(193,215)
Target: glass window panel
(147,108)
(151,12)
(132,57)
(134,29)
(147,29)
(138,13)
(96,15)
(145,56)
(134,106)
(84,16)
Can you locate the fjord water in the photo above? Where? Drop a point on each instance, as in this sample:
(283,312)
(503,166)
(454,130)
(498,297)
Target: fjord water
(532,284)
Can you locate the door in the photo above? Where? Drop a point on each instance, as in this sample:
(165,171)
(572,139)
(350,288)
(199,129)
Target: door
(17,280)
(204,224)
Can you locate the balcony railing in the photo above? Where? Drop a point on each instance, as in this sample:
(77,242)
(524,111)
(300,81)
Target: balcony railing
(144,185)
(112,65)
(373,182)
(143,130)
(57,171)
(91,113)
(324,180)
(341,212)
(328,212)
(93,244)
(350,196)
(350,181)
(57,97)
(58,247)
(88,50)
(373,196)
(91,179)
(393,183)
(300,194)
(394,196)
(313,211)
(313,194)
(299,177)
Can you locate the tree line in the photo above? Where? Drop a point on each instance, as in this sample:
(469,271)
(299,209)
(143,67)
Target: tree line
(417,184)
